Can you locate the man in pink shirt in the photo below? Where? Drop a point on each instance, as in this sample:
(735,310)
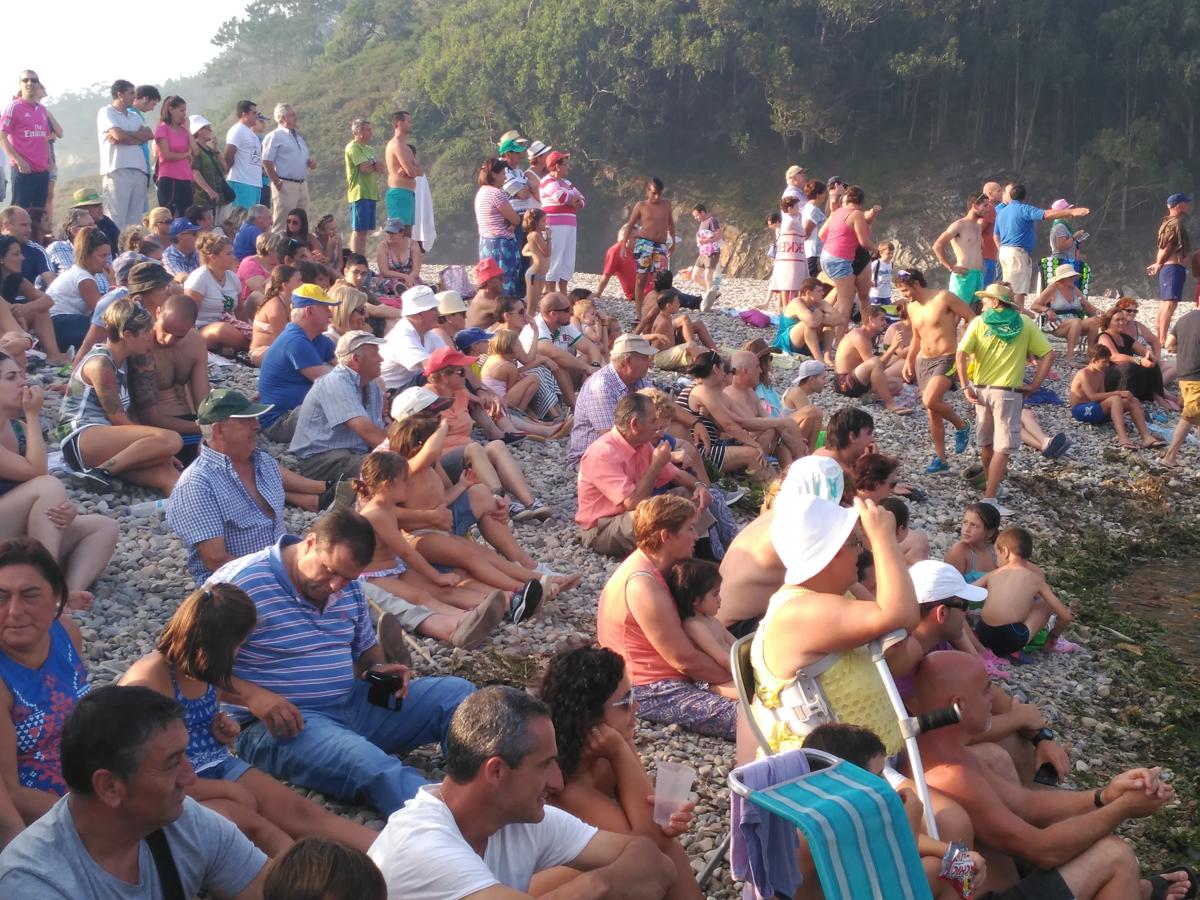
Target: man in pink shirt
(619,470)
(25,131)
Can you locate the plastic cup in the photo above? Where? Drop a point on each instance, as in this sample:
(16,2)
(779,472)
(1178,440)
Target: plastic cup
(672,785)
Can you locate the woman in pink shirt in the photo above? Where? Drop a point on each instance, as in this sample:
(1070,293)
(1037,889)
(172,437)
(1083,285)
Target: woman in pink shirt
(844,232)
(175,146)
(637,618)
(495,218)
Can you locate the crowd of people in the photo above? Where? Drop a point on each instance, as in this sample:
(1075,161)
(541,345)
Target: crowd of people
(389,406)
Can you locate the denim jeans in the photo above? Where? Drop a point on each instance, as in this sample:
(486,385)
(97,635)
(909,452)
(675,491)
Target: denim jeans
(344,749)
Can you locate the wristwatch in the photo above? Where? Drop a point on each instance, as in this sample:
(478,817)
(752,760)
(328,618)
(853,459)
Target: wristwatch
(1043,734)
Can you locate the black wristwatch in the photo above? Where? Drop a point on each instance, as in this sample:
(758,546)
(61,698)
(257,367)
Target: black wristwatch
(1043,734)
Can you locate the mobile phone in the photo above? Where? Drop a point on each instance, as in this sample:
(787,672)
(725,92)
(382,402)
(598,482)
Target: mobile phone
(1046,775)
(382,689)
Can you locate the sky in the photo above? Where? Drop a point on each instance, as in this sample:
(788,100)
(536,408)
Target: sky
(151,49)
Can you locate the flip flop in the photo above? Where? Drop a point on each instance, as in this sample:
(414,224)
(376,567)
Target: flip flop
(1159,886)
(480,622)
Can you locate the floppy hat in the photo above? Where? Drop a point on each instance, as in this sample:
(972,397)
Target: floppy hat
(146,275)
(418,299)
(793,171)
(537,148)
(352,340)
(182,225)
(1061,204)
(1064,272)
(196,122)
(936,581)
(487,269)
(807,533)
(86,197)
(413,400)
(514,136)
(225,403)
(816,476)
(759,347)
(311,295)
(998,291)
(556,157)
(444,358)
(810,368)
(469,337)
(631,343)
(450,302)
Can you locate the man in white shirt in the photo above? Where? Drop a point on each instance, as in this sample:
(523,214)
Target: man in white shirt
(286,160)
(410,343)
(243,156)
(126,173)
(486,830)
(562,343)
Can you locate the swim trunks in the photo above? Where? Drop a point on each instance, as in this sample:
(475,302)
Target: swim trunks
(651,256)
(1092,413)
(1170,281)
(965,286)
(362,215)
(1003,640)
(849,385)
(401,204)
(1041,884)
(937,366)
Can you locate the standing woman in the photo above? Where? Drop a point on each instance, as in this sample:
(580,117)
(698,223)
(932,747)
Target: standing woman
(76,291)
(844,232)
(813,217)
(496,219)
(215,290)
(208,169)
(176,147)
(791,266)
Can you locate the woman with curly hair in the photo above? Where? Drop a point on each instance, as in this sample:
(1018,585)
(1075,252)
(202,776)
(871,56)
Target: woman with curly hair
(594,710)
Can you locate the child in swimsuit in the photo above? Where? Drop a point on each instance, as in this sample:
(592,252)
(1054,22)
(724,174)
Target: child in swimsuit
(1019,602)
(517,387)
(695,584)
(599,329)
(537,249)
(974,554)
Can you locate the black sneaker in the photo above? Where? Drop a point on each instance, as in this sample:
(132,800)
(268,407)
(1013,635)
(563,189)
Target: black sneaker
(525,601)
(95,479)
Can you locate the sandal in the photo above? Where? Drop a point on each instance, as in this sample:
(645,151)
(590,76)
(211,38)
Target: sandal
(479,622)
(1159,886)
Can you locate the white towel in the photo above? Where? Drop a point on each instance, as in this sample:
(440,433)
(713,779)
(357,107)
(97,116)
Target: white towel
(424,229)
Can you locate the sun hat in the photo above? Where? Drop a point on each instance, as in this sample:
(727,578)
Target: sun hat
(414,400)
(445,358)
(793,171)
(418,299)
(810,368)
(353,340)
(182,225)
(512,145)
(807,533)
(86,197)
(556,157)
(450,302)
(146,275)
(469,337)
(816,476)
(631,343)
(936,581)
(998,291)
(196,122)
(514,136)
(487,269)
(311,295)
(1176,199)
(226,403)
(537,148)
(1064,272)
(759,347)
(1061,204)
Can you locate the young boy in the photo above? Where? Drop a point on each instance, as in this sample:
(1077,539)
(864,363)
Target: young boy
(881,275)
(1019,601)
(913,541)
(678,339)
(1092,404)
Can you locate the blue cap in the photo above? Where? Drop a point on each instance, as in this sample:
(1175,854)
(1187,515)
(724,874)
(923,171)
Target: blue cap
(182,225)
(1176,199)
(469,337)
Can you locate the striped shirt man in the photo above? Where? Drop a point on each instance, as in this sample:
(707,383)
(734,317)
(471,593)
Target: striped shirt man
(332,401)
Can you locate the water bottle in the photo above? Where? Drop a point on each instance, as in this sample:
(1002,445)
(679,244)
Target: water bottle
(148,508)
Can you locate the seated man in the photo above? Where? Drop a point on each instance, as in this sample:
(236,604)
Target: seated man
(856,367)
(628,363)
(782,433)
(1091,403)
(143,279)
(299,356)
(380,316)
(621,469)
(301,679)
(797,400)
(562,343)
(665,281)
(676,337)
(229,501)
(341,418)
(483,310)
(124,756)
(180,257)
(486,829)
(1066,837)
(808,322)
(849,434)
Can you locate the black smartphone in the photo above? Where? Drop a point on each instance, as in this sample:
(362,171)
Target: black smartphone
(1046,775)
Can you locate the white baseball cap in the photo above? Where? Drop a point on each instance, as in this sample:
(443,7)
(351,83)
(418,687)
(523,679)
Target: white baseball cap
(808,533)
(936,581)
(196,122)
(809,369)
(418,299)
(413,400)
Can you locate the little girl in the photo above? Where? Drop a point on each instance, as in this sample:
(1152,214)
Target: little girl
(273,315)
(537,248)
(601,330)
(975,554)
(695,584)
(517,387)
(191,661)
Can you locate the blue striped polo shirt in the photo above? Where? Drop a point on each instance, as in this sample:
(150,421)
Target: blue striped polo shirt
(296,650)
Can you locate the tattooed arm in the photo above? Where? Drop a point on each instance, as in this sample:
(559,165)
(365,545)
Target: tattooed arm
(143,395)
(103,378)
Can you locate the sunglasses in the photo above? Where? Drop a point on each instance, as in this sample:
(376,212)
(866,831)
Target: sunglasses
(457,370)
(956,603)
(625,702)
(559,309)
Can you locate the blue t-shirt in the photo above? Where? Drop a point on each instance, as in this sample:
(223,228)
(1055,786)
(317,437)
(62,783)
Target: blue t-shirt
(1015,225)
(279,380)
(33,262)
(243,241)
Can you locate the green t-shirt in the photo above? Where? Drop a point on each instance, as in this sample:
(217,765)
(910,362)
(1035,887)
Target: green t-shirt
(997,363)
(360,185)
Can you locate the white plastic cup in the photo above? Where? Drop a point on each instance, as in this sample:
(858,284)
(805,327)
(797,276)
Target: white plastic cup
(672,785)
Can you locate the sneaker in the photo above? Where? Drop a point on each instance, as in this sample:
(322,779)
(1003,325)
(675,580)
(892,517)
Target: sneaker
(536,510)
(962,437)
(1057,447)
(525,601)
(937,466)
(992,502)
(95,479)
(732,497)
(709,298)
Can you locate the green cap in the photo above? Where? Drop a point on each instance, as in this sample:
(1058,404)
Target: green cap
(510,146)
(224,403)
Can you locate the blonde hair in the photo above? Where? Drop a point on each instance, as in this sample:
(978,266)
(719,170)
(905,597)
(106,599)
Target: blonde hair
(210,244)
(126,315)
(580,306)
(352,300)
(664,406)
(503,342)
(159,212)
(654,515)
(531,219)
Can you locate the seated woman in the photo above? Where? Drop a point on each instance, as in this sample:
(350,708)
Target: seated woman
(1134,366)
(99,440)
(296,228)
(351,314)
(1067,312)
(76,291)
(274,312)
(515,387)
(396,260)
(215,290)
(191,662)
(327,242)
(42,676)
(24,307)
(255,270)
(34,504)
(875,476)
(594,711)
(512,314)
(975,553)
(1145,336)
(638,620)
(728,446)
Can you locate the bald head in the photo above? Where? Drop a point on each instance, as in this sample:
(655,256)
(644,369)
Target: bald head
(948,678)
(552,300)
(744,360)
(992,190)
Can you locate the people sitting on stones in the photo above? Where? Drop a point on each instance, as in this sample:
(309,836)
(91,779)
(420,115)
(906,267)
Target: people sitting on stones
(486,829)
(849,434)
(99,439)
(764,389)
(215,289)
(597,327)
(695,585)
(354,272)
(730,445)
(76,291)
(303,702)
(341,418)
(180,257)
(255,270)
(483,312)
(807,323)
(313,867)
(875,475)
(665,281)
(975,554)
(670,423)
(1020,602)
(42,676)
(447,606)
(621,469)
(1065,837)
(452,316)
(124,760)
(856,367)
(516,387)
(594,711)
(1135,367)
(596,403)
(914,543)
(229,501)
(191,661)
(1091,403)
(1067,311)
(797,400)
(678,340)
(27,307)
(351,312)
(638,620)
(782,433)
(298,357)
(549,403)
(562,343)
(274,310)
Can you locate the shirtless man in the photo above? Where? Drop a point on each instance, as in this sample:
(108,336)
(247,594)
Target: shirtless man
(650,235)
(809,381)
(402,169)
(965,235)
(818,321)
(934,316)
(782,433)
(489,279)
(849,434)
(1065,836)
(675,336)
(1091,403)
(991,251)
(856,367)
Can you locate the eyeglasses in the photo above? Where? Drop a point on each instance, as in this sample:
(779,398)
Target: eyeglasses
(625,702)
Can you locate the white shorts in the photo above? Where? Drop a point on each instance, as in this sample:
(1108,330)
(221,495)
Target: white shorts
(562,252)
(1018,269)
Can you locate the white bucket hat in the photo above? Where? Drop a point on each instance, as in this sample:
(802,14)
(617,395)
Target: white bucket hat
(819,476)
(807,533)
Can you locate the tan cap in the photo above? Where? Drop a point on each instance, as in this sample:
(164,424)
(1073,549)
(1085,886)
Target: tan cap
(631,343)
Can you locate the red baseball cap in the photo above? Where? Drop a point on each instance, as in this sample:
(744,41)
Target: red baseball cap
(444,358)
(487,269)
(555,158)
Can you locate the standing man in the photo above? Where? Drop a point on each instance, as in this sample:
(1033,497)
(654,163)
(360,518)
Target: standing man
(991,251)
(123,165)
(146,98)
(965,235)
(1185,342)
(934,316)
(402,171)
(362,187)
(1170,264)
(561,200)
(1017,235)
(650,234)
(243,156)
(286,162)
(1000,340)
(25,131)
